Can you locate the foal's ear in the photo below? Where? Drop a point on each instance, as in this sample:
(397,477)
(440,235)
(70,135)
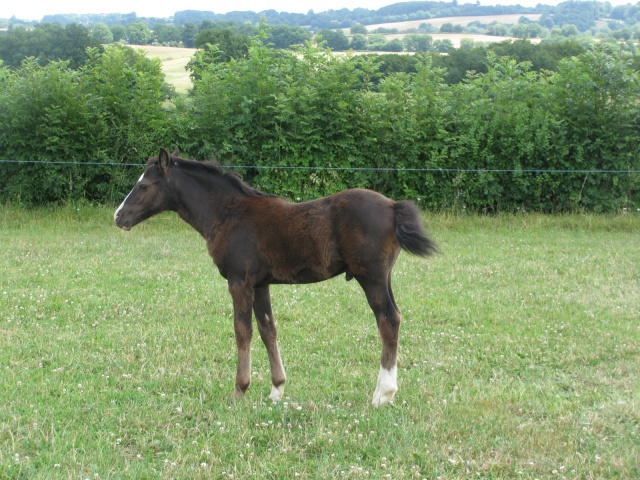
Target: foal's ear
(176,152)
(164,160)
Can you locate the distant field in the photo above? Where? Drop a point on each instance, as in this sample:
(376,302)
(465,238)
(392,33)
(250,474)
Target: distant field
(174,60)
(438,22)
(455,38)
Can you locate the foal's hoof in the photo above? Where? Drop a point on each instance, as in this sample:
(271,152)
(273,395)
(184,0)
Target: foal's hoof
(276,393)
(382,398)
(386,387)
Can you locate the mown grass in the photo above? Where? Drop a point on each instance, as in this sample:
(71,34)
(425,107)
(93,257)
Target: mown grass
(174,61)
(519,357)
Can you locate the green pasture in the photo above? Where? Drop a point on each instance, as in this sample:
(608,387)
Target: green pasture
(519,357)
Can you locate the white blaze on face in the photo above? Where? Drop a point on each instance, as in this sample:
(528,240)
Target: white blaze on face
(115,215)
(387,386)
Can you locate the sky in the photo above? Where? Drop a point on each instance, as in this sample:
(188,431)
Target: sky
(36,9)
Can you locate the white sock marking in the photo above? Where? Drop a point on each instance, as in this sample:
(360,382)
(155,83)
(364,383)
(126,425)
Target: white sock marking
(386,387)
(276,393)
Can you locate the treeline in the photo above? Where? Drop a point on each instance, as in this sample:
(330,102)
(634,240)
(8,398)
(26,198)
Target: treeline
(583,15)
(340,18)
(47,42)
(573,19)
(580,14)
(344,18)
(503,140)
(231,41)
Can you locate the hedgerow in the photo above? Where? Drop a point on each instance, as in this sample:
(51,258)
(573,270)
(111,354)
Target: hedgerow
(506,140)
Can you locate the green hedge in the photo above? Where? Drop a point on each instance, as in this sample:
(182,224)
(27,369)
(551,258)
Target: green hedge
(109,111)
(466,146)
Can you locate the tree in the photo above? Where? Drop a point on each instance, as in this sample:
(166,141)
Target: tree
(467,43)
(418,43)
(46,42)
(519,30)
(570,31)
(451,28)
(358,28)
(119,32)
(358,42)
(497,29)
(189,33)
(167,34)
(202,60)
(335,40)
(459,62)
(230,45)
(139,34)
(444,45)
(394,45)
(284,36)
(389,63)
(102,33)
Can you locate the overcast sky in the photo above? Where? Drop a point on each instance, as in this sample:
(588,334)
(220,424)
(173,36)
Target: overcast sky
(36,9)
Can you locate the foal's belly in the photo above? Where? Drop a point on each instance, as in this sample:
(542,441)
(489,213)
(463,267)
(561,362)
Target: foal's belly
(309,275)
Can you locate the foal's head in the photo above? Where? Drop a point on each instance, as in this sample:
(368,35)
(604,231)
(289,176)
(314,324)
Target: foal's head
(150,195)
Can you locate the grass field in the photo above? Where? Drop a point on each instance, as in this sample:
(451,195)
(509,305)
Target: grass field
(519,357)
(459,20)
(174,60)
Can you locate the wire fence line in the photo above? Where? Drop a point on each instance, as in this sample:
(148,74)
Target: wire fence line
(354,169)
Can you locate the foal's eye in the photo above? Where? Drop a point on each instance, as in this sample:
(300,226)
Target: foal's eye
(143,186)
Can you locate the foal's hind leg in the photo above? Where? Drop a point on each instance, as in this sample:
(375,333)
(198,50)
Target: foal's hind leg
(267,328)
(388,318)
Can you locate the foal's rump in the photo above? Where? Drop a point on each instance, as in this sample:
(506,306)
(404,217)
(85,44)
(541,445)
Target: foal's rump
(370,230)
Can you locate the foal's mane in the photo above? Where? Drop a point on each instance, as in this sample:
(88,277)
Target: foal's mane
(214,168)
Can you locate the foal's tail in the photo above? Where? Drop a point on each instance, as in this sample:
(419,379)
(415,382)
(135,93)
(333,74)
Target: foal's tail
(409,230)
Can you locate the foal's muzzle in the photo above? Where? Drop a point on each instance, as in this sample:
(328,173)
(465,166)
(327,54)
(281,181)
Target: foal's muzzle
(117,219)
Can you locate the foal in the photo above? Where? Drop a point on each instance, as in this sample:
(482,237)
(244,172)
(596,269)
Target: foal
(257,239)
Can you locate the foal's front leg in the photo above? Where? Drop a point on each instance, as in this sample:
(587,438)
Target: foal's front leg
(242,295)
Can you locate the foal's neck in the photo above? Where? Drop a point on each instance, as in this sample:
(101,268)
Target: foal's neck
(204,201)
